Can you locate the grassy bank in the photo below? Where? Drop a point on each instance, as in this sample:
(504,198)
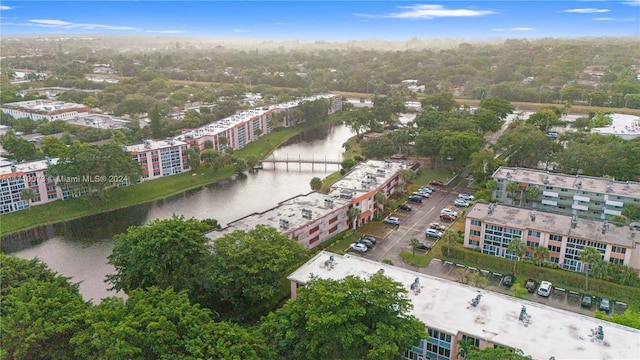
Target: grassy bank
(64,210)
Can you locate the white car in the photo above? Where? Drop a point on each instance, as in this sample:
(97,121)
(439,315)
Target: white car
(545,289)
(461,203)
(392,221)
(358,247)
(449,212)
(433,233)
(466,197)
(426,189)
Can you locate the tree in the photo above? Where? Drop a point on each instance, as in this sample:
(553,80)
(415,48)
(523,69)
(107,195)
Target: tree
(154,119)
(464,347)
(351,318)
(590,256)
(415,243)
(380,200)
(211,158)
(20,148)
(523,145)
(541,254)
(252,162)
(512,188)
(487,120)
(482,165)
(442,101)
(354,216)
(631,211)
(248,266)
(496,353)
(51,146)
(532,194)
(240,167)
(518,248)
(449,237)
(500,107)
(96,168)
(193,157)
(166,253)
(192,119)
(316,183)
(27,194)
(162,324)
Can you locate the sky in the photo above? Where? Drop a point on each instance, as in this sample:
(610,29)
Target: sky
(326,20)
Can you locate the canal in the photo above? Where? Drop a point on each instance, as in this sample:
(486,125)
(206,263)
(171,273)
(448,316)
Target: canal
(78,249)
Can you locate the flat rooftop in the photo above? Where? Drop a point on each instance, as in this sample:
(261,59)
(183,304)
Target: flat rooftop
(43,105)
(26,167)
(291,210)
(445,305)
(366,177)
(229,122)
(99,121)
(153,145)
(520,218)
(621,125)
(578,182)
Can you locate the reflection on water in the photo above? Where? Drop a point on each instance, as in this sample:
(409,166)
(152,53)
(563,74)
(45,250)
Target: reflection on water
(79,248)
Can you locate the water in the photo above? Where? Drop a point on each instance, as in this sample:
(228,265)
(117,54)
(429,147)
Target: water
(79,248)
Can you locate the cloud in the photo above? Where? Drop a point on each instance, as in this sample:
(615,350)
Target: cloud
(425,11)
(283,24)
(585,11)
(166,31)
(5,7)
(603,19)
(632,3)
(68,25)
(497,29)
(241,30)
(523,29)
(629,19)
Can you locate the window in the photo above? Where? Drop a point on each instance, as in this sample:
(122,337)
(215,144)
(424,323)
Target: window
(553,248)
(474,242)
(471,340)
(616,261)
(554,260)
(618,250)
(554,237)
(474,232)
(532,244)
(476,222)
(532,233)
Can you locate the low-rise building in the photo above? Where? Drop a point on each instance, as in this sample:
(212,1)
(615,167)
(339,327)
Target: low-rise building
(491,227)
(17,177)
(452,312)
(585,196)
(314,218)
(160,158)
(45,110)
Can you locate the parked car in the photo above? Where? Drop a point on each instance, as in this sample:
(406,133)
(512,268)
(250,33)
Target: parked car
(552,135)
(436,183)
(531,285)
(437,226)
(371,238)
(508,280)
(449,211)
(635,225)
(545,289)
(433,233)
(466,197)
(586,301)
(605,305)
(427,189)
(461,203)
(421,194)
(405,207)
(392,221)
(415,198)
(358,247)
(365,242)
(423,246)
(447,217)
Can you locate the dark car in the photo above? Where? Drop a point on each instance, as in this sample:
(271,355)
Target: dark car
(423,246)
(508,280)
(605,305)
(365,242)
(447,217)
(416,199)
(587,300)
(405,207)
(531,285)
(371,238)
(436,183)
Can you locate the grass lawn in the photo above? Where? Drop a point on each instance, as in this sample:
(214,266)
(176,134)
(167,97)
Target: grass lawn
(425,175)
(417,259)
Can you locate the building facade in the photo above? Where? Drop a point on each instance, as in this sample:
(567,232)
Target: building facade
(17,177)
(452,312)
(491,227)
(159,158)
(584,196)
(45,110)
(314,218)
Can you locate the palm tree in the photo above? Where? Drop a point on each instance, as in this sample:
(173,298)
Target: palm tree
(532,193)
(511,189)
(464,347)
(28,194)
(589,256)
(518,248)
(316,183)
(449,237)
(354,214)
(380,200)
(414,245)
(541,254)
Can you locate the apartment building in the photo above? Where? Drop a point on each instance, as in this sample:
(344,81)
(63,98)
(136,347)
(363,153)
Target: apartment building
(452,312)
(584,196)
(160,158)
(490,228)
(237,130)
(314,218)
(48,110)
(16,177)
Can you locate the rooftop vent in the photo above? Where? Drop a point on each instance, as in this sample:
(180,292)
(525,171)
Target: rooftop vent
(476,300)
(605,226)
(415,286)
(381,271)
(545,180)
(574,221)
(633,232)
(524,317)
(508,174)
(609,188)
(328,202)
(597,333)
(492,208)
(579,184)
(533,215)
(284,223)
(330,263)
(306,213)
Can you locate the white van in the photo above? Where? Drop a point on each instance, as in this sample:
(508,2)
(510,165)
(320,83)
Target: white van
(545,289)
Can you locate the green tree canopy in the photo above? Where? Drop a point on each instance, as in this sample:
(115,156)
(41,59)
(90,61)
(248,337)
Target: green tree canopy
(345,319)
(248,266)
